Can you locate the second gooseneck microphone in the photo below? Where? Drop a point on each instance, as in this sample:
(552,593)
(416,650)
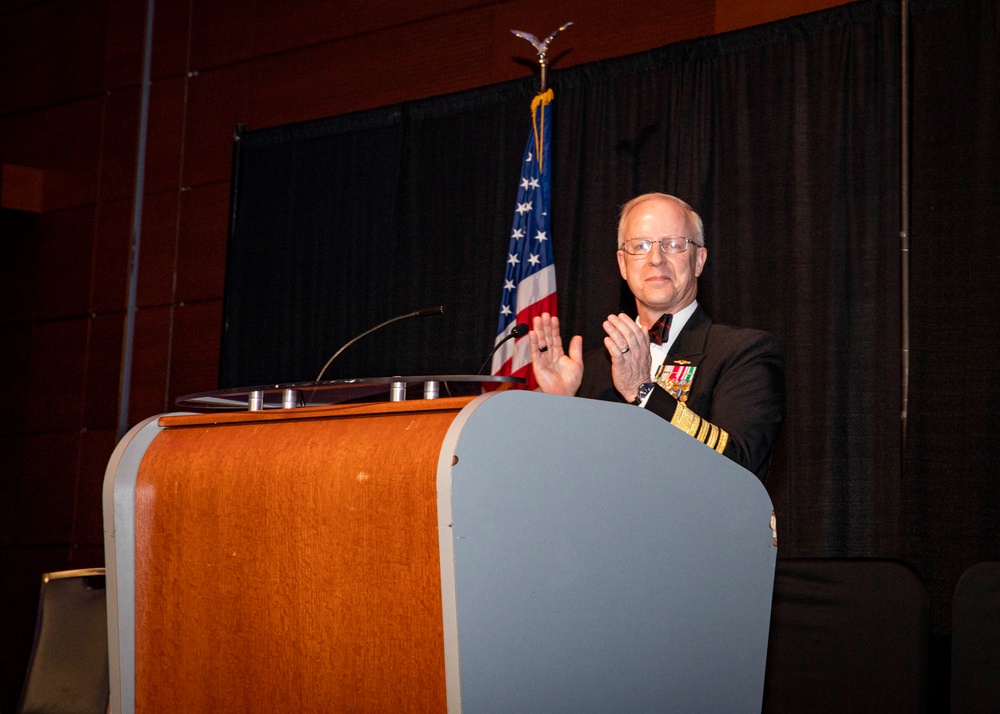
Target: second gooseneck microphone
(436,310)
(519,330)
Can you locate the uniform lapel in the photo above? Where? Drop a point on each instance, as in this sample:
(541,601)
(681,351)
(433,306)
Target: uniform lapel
(690,343)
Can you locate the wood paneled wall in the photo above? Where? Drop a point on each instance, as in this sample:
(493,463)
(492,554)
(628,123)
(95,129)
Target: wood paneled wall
(70,74)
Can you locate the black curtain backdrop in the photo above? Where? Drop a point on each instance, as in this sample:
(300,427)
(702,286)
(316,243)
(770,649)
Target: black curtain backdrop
(786,138)
(951,490)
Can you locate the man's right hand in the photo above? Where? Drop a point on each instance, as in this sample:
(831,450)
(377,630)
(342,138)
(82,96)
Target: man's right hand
(555,371)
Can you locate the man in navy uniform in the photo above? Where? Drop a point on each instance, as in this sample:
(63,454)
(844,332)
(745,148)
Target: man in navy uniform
(722,385)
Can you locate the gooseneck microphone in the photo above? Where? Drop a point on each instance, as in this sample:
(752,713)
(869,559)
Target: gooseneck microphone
(519,330)
(436,310)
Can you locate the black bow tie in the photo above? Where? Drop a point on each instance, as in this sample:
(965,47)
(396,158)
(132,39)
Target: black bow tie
(660,330)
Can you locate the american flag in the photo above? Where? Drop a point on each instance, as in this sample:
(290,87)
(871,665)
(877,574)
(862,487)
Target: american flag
(529,283)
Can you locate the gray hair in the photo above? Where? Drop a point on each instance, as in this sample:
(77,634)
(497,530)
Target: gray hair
(693,217)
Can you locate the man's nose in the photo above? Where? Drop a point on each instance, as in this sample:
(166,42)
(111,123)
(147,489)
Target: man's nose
(656,254)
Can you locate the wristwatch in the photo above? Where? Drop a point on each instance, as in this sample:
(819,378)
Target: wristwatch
(644,389)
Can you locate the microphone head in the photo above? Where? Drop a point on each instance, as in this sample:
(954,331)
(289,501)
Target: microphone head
(519,330)
(436,310)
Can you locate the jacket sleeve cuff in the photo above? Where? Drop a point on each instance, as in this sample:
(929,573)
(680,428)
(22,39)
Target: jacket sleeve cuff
(701,429)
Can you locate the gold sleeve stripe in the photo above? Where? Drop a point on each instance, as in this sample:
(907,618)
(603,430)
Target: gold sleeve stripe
(686,420)
(701,429)
(703,432)
(692,429)
(713,437)
(723,440)
(678,413)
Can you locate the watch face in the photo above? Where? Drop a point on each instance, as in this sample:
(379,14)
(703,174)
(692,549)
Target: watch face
(644,389)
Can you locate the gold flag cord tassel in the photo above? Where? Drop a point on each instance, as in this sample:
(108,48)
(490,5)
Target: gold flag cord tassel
(701,429)
(540,101)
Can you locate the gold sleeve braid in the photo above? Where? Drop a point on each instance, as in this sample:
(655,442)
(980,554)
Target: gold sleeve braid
(701,429)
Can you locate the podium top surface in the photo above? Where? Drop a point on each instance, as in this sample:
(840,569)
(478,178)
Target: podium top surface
(334,391)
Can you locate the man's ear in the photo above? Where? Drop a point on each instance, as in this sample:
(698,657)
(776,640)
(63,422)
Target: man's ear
(699,262)
(621,265)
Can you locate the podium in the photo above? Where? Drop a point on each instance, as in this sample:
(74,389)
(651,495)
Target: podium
(511,552)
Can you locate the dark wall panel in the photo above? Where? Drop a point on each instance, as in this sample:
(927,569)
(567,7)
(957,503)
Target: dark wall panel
(56,376)
(216,101)
(19,269)
(65,253)
(15,363)
(51,53)
(104,357)
(201,256)
(112,238)
(72,152)
(158,253)
(119,144)
(341,77)
(151,363)
(23,138)
(88,515)
(196,326)
(166,138)
(46,489)
(223,33)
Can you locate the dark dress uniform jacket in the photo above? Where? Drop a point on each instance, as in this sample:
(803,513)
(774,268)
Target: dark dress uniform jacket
(739,385)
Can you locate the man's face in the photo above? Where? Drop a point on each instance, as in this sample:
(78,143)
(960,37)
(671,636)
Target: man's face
(661,282)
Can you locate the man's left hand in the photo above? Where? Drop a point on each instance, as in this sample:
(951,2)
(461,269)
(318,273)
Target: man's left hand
(628,344)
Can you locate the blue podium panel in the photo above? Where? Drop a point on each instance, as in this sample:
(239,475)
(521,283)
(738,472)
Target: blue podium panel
(598,559)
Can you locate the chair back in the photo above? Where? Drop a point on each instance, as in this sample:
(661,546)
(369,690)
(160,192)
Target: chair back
(847,635)
(975,640)
(68,670)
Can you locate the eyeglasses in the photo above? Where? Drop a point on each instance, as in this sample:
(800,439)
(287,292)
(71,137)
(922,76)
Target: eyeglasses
(670,245)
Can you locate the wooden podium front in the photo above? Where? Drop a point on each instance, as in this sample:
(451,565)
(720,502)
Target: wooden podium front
(505,553)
